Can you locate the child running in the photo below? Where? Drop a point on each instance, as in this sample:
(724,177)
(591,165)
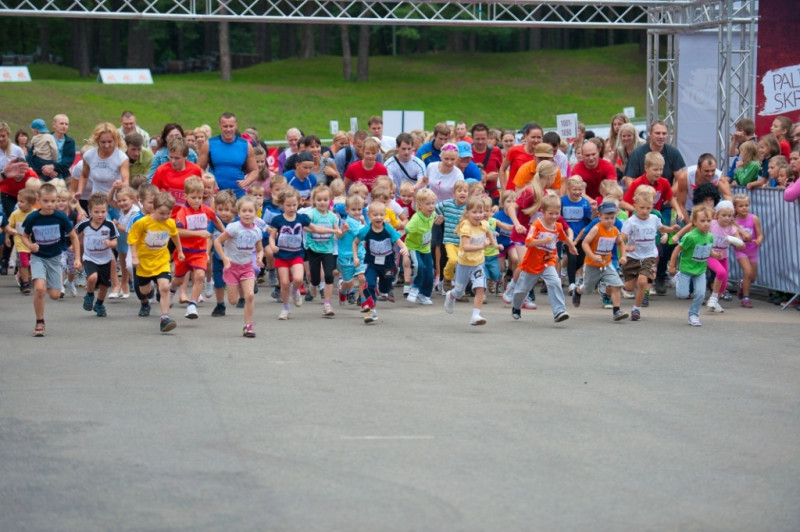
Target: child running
(694,250)
(124,198)
(750,227)
(321,247)
(540,260)
(225,205)
(379,239)
(148,238)
(598,247)
(475,235)
(418,241)
(25,201)
(44,232)
(354,206)
(235,246)
(99,238)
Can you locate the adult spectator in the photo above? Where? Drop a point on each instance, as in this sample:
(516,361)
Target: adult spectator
(559,159)
(488,158)
(44,150)
(161,156)
(13,176)
(430,152)
(376,130)
(705,171)
(593,169)
(66,151)
(794,138)
(674,170)
(170,176)
(518,155)
(627,141)
(104,164)
(405,166)
(542,152)
(21,139)
(8,150)
(128,125)
(461,133)
(674,166)
(139,157)
(324,169)
(351,154)
(610,149)
(293,136)
(472,174)
(340,140)
(229,157)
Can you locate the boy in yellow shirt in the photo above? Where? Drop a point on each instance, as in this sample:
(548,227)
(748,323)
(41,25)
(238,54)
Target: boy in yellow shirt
(25,201)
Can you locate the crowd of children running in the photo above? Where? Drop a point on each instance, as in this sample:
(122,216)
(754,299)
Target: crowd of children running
(435,218)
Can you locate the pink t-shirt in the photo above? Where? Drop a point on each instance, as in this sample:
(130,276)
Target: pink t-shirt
(720,233)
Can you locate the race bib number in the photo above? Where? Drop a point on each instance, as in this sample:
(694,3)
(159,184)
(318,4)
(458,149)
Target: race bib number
(156,239)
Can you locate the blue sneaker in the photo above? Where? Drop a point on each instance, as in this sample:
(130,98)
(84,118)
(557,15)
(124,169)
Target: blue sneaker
(88,302)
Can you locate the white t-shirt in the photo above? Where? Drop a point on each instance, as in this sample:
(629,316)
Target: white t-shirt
(414,171)
(691,179)
(103,172)
(242,242)
(442,184)
(642,234)
(77,170)
(13,151)
(94,248)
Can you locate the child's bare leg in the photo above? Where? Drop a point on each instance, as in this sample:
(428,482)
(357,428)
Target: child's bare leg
(283,279)
(477,304)
(297,275)
(91,281)
(246,287)
(641,288)
(197,283)
(114,278)
(39,289)
(613,292)
(163,289)
(123,257)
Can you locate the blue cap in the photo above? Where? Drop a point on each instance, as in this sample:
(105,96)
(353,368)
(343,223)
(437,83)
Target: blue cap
(39,126)
(464,149)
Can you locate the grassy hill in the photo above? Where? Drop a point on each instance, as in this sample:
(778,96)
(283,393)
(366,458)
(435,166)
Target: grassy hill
(504,90)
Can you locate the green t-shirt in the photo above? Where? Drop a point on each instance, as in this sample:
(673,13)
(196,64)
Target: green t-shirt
(490,250)
(142,166)
(418,233)
(695,250)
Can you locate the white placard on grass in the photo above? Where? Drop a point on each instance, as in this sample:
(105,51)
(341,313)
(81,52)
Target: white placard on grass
(630,112)
(14,73)
(334,127)
(125,76)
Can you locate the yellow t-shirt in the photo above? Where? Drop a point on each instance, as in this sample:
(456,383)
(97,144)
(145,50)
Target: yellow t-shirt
(15,220)
(477,236)
(391,218)
(151,238)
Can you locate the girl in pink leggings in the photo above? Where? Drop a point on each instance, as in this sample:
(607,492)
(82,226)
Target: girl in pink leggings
(750,228)
(725,233)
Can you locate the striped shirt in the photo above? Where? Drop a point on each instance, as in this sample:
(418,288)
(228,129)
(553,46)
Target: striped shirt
(452,215)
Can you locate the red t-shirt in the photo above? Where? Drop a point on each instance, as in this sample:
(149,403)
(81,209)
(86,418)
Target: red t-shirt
(593,177)
(168,180)
(11,186)
(786,148)
(358,174)
(187,218)
(516,156)
(491,160)
(663,191)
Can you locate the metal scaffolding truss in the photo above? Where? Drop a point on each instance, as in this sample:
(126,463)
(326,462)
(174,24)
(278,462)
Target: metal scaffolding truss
(676,15)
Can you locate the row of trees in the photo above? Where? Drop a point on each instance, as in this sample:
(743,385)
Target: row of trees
(90,44)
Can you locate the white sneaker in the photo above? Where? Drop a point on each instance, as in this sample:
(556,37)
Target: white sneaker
(123,295)
(441,289)
(413,294)
(284,315)
(208,290)
(713,304)
(477,320)
(529,304)
(73,291)
(449,303)
(508,295)
(571,288)
(424,300)
(191,311)
(172,298)
(626,294)
(694,321)
(297,298)
(406,289)
(113,295)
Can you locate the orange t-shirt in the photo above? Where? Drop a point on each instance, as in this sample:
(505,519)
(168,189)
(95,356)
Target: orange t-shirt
(537,258)
(603,245)
(526,172)
(517,156)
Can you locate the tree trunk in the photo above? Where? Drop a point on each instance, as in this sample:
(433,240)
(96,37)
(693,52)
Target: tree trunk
(263,41)
(44,41)
(116,43)
(180,43)
(307,46)
(285,37)
(324,41)
(347,56)
(535,39)
(224,50)
(611,37)
(455,42)
(473,41)
(140,46)
(82,45)
(363,53)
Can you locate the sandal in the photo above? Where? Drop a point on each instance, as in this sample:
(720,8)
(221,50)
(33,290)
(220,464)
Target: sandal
(39,329)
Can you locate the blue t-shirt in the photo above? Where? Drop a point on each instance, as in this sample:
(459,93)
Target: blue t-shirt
(503,235)
(49,231)
(428,154)
(304,187)
(289,237)
(228,161)
(379,246)
(269,211)
(346,242)
(212,228)
(576,213)
(472,174)
(322,242)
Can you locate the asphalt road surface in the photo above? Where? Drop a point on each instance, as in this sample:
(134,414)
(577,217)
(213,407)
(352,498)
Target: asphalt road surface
(418,422)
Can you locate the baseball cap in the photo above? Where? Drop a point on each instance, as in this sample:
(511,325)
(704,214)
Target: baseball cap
(543,150)
(464,149)
(40,126)
(607,207)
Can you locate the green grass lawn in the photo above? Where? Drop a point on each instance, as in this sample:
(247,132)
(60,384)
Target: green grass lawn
(504,90)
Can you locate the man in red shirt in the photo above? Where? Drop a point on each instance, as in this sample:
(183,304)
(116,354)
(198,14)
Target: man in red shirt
(488,158)
(593,169)
(169,177)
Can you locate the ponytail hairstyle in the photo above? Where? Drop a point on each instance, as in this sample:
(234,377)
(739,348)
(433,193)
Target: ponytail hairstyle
(544,170)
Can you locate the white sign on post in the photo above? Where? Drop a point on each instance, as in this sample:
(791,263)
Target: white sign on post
(630,112)
(450,122)
(14,73)
(334,127)
(126,76)
(567,125)
(353,124)
(781,90)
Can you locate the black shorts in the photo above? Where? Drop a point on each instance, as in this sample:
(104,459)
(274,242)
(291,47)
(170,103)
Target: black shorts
(103,272)
(141,281)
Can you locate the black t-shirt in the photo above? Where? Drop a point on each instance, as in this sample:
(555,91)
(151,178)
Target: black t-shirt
(673,161)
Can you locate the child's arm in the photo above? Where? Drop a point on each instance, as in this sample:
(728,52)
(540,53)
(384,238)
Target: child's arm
(503,225)
(466,245)
(26,240)
(493,240)
(625,206)
(623,254)
(674,259)
(176,239)
(259,254)
(759,234)
(218,225)
(686,228)
(679,214)
(226,261)
(587,247)
(762,182)
(73,238)
(666,229)
(112,194)
(313,228)
(356,261)
(512,213)
(273,247)
(186,233)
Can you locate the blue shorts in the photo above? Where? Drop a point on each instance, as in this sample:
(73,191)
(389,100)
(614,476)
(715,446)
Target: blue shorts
(346,268)
(122,242)
(216,271)
(492,266)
